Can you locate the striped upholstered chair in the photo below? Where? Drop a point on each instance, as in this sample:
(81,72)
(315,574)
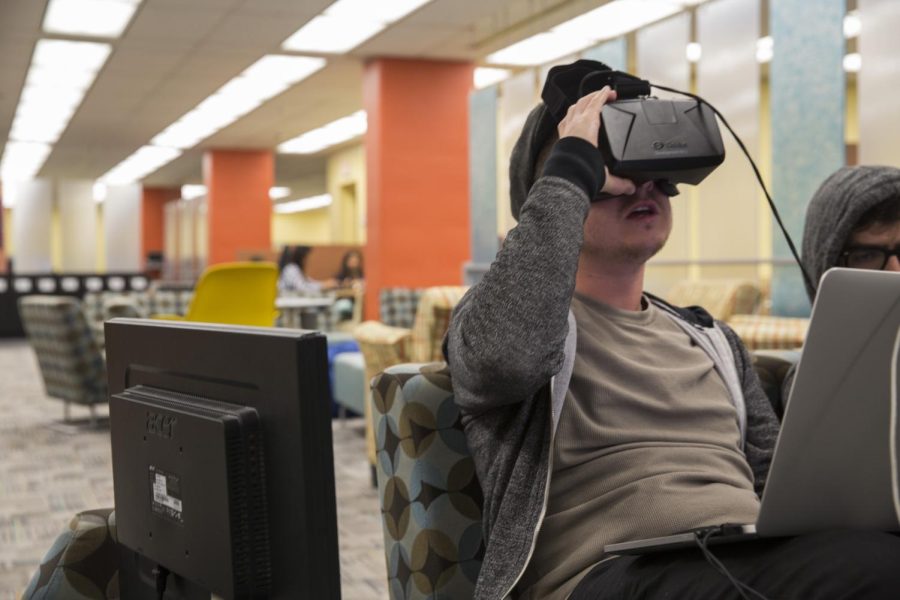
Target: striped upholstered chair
(71,362)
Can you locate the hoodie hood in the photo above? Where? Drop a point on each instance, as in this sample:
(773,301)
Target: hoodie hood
(539,127)
(835,209)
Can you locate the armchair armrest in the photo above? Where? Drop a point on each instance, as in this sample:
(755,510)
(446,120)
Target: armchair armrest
(430,497)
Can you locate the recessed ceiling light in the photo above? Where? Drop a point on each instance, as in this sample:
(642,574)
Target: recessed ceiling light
(693,52)
(22,160)
(303,204)
(605,22)
(333,133)
(486,76)
(852,62)
(94,18)
(346,24)
(765,49)
(852,24)
(333,35)
(278,192)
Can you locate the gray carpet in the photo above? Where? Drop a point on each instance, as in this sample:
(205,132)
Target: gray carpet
(50,470)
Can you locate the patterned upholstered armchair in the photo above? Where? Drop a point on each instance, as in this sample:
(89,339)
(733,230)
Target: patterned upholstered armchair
(430,497)
(83,561)
(71,362)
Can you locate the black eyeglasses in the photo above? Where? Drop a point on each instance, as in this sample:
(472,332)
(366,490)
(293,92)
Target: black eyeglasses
(868,257)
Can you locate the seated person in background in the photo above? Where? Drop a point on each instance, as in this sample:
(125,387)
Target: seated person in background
(597,413)
(293,278)
(349,277)
(853,220)
(351,269)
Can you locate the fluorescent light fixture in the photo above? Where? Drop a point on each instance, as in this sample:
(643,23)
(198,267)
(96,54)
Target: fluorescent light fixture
(143,162)
(487,76)
(100,191)
(852,62)
(693,52)
(387,11)
(264,79)
(852,24)
(22,160)
(605,22)
(63,55)
(348,23)
(92,18)
(278,192)
(269,76)
(191,191)
(539,49)
(333,133)
(9,192)
(303,204)
(332,35)
(61,72)
(765,48)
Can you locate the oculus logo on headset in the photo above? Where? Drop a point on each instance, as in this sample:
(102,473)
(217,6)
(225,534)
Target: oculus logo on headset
(670,146)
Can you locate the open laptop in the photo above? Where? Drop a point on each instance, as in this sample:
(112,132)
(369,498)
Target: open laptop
(835,462)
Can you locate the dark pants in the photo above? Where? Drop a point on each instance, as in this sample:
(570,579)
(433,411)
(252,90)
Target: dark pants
(832,565)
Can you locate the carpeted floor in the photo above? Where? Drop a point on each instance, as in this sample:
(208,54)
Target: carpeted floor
(49,471)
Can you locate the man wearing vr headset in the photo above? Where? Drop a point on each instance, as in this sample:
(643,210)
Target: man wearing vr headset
(597,413)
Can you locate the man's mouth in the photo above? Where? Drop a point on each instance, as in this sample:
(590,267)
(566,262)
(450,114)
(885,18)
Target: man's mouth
(642,210)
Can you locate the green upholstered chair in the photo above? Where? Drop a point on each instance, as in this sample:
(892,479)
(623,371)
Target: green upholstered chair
(71,362)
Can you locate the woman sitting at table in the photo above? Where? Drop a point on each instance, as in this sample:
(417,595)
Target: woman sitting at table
(293,278)
(351,269)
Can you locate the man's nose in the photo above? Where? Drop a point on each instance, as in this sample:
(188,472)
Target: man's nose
(644,189)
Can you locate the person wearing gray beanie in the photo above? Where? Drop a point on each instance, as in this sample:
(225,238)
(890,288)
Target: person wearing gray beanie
(596,413)
(853,220)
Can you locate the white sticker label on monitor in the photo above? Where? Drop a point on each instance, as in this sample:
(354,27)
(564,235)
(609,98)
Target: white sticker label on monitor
(166,491)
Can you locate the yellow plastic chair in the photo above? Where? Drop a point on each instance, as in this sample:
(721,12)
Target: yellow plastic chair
(238,293)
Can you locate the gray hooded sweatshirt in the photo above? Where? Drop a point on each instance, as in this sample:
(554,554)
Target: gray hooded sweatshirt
(511,347)
(835,209)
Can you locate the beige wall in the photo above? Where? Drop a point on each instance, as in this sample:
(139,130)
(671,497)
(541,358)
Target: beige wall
(346,182)
(307,228)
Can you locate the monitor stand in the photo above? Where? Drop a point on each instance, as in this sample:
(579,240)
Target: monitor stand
(136,580)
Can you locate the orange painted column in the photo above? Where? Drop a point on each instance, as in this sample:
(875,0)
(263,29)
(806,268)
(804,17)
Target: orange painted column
(153,202)
(239,211)
(417,174)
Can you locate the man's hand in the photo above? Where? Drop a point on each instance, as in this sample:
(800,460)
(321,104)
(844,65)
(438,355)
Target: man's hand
(583,120)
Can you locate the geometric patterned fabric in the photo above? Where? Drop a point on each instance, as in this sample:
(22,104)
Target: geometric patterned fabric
(71,363)
(82,563)
(430,497)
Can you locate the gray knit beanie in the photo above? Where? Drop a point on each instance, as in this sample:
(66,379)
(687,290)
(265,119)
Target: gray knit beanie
(836,208)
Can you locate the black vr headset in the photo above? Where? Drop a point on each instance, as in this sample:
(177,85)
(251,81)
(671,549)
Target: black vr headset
(651,139)
(642,138)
